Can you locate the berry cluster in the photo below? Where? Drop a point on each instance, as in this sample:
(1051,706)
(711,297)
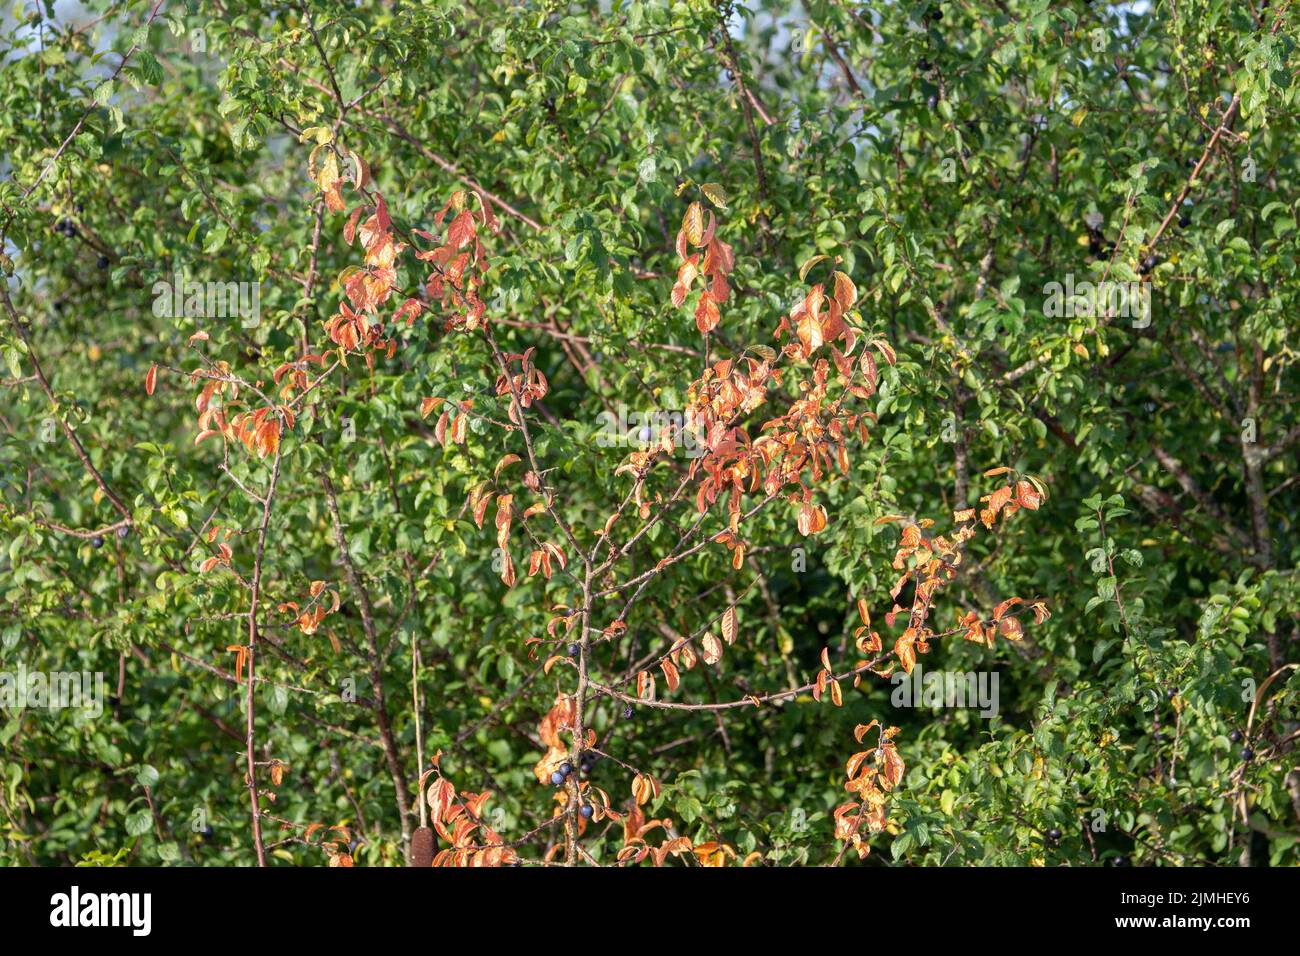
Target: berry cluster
(1247,755)
(98,540)
(586,763)
(66,227)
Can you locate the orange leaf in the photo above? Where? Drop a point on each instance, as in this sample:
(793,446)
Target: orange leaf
(712,649)
(706,314)
(729,625)
(644,788)
(861,730)
(1027,495)
(905,648)
(693,223)
(846,293)
(1000,611)
(891,770)
(670,673)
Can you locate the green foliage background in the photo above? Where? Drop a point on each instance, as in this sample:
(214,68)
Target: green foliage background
(948,152)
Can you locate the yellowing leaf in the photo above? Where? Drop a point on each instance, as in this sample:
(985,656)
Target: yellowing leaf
(846,293)
(807,266)
(891,766)
(319,134)
(644,788)
(861,730)
(712,648)
(713,192)
(693,223)
(729,625)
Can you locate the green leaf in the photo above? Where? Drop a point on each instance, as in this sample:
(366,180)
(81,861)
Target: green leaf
(139,823)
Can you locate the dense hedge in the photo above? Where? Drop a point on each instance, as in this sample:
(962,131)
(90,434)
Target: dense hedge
(458,244)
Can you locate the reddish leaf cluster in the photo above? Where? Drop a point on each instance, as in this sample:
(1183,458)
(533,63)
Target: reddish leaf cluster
(458,819)
(259,430)
(308,618)
(527,386)
(453,282)
(718,261)
(870,775)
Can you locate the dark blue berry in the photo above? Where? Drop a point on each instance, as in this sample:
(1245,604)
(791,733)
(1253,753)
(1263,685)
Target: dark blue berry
(573,650)
(1248,755)
(627,712)
(123,531)
(566,768)
(102,262)
(97,542)
(557,778)
(1235,736)
(586,811)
